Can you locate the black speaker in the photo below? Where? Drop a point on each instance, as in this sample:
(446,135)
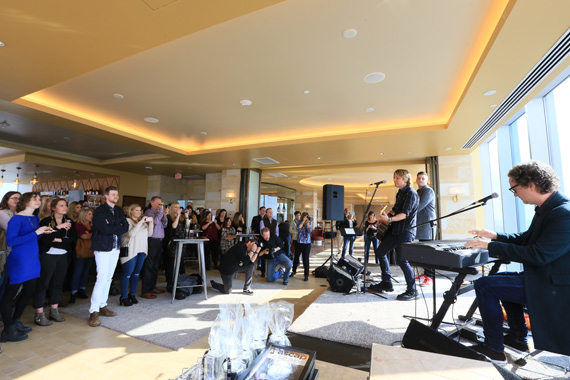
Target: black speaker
(339,280)
(351,265)
(423,338)
(333,202)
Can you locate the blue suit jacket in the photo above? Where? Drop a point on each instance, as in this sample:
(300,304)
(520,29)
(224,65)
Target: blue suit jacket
(544,250)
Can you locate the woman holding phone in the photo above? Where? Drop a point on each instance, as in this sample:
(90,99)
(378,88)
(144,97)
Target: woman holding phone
(54,249)
(22,266)
(133,253)
(304,230)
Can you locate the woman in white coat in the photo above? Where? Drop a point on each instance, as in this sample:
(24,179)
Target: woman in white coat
(133,253)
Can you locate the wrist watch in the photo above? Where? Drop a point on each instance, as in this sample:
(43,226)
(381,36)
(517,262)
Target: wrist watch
(389,220)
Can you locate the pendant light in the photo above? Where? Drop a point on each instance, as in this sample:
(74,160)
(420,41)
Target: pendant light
(2,179)
(17,181)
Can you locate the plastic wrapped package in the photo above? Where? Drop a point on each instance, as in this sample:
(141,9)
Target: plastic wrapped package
(281,318)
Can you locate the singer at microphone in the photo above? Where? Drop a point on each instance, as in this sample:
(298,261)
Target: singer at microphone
(378,183)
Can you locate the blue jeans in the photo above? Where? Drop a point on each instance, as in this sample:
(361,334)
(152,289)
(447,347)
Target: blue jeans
(367,241)
(131,272)
(388,244)
(348,240)
(272,274)
(81,273)
(508,288)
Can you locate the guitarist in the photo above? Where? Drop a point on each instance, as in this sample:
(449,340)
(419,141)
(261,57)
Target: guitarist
(400,219)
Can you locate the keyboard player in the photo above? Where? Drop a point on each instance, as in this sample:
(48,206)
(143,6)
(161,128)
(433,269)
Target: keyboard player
(544,285)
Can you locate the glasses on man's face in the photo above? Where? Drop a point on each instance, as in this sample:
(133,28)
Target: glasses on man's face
(512,189)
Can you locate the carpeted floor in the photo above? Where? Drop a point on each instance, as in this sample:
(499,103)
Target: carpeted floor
(179,324)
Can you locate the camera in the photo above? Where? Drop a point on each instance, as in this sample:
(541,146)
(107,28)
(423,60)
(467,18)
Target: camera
(148,219)
(183,211)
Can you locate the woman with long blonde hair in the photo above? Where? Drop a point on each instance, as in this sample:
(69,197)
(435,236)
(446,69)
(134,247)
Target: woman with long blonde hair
(174,230)
(135,245)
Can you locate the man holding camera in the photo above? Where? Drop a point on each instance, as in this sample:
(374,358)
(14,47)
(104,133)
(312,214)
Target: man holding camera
(275,256)
(239,258)
(158,212)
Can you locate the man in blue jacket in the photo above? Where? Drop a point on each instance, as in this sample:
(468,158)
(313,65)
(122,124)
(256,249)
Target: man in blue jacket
(109,223)
(544,285)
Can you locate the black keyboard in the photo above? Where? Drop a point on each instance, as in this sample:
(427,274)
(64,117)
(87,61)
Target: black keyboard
(445,253)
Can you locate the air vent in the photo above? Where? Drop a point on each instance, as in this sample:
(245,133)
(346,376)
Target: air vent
(548,62)
(266,161)
(277,175)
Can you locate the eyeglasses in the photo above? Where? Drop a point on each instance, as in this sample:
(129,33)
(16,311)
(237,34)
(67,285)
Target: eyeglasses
(16,198)
(512,189)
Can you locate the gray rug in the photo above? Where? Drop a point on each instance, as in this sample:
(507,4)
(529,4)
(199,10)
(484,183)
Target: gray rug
(363,319)
(179,324)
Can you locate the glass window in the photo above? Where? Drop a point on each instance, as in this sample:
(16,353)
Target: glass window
(520,145)
(496,183)
(558,119)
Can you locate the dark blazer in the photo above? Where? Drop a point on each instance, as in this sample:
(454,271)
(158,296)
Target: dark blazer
(255,224)
(105,225)
(47,240)
(272,225)
(544,251)
(426,212)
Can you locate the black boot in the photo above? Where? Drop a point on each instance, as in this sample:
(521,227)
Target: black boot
(125,301)
(21,327)
(133,299)
(11,334)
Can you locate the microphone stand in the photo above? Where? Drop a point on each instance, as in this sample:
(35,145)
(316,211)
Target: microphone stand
(365,272)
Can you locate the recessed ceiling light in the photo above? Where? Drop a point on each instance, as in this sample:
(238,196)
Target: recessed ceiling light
(189,167)
(306,92)
(118,96)
(489,93)
(374,77)
(319,158)
(234,164)
(245,102)
(409,152)
(370,109)
(2,44)
(294,176)
(328,179)
(382,153)
(151,120)
(148,167)
(203,133)
(493,105)
(67,138)
(447,148)
(349,33)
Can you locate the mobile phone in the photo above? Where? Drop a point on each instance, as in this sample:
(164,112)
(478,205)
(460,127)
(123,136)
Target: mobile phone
(148,219)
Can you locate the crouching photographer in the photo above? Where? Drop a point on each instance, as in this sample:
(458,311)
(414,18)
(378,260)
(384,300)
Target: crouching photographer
(275,257)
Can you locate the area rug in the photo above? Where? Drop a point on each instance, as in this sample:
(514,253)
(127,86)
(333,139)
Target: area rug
(179,324)
(363,318)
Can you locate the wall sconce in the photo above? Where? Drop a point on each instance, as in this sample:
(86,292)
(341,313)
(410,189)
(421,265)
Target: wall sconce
(17,180)
(230,196)
(35,179)
(2,179)
(75,180)
(307,205)
(455,192)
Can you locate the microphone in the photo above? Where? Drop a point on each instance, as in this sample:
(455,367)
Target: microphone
(487,198)
(378,183)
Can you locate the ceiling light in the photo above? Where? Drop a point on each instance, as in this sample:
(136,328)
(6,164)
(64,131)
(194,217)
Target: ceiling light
(447,148)
(203,133)
(306,92)
(489,93)
(118,96)
(370,109)
(234,164)
(4,124)
(409,152)
(382,153)
(245,102)
(493,105)
(17,180)
(294,176)
(151,119)
(2,44)
(67,138)
(349,33)
(319,158)
(148,167)
(2,178)
(374,77)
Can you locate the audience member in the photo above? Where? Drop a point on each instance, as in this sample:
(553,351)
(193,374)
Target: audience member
(109,224)
(210,230)
(54,249)
(84,256)
(7,209)
(304,244)
(158,212)
(174,230)
(275,257)
(227,236)
(135,246)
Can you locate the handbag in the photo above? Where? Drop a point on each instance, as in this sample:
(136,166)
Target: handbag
(82,249)
(124,252)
